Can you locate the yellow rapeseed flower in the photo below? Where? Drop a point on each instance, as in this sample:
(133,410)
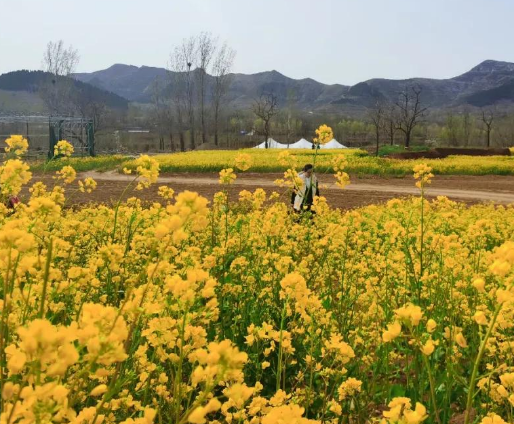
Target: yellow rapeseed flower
(63,148)
(409,313)
(67,174)
(461,341)
(428,348)
(422,173)
(342,179)
(13,175)
(493,419)
(147,169)
(480,318)
(17,144)
(88,185)
(392,332)
(243,161)
(431,325)
(323,135)
(227,176)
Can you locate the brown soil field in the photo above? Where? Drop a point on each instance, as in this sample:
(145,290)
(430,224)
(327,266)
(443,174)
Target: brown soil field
(361,191)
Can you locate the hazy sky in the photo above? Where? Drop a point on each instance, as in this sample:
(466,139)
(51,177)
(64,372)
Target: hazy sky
(332,41)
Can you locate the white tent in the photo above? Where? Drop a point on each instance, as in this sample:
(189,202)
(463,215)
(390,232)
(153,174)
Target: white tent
(301,144)
(272,144)
(332,144)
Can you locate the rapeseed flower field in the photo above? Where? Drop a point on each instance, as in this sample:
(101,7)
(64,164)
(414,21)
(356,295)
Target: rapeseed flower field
(358,162)
(241,311)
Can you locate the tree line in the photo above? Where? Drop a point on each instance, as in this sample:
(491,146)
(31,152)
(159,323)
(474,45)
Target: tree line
(459,128)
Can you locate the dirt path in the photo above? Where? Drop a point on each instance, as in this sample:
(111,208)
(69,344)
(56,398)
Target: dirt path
(467,188)
(361,192)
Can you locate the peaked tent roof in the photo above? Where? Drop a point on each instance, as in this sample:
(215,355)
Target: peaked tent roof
(272,144)
(301,144)
(333,144)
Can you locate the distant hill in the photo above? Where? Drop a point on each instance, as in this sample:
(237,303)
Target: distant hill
(130,82)
(21,102)
(25,85)
(454,91)
(501,94)
(135,84)
(488,83)
(305,94)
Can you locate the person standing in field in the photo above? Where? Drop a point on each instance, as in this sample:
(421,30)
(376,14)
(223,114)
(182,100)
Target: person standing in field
(303,197)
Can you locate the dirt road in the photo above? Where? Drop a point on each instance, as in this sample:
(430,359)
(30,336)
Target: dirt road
(361,191)
(488,188)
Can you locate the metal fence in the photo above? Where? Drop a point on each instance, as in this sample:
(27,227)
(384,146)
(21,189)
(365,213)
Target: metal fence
(43,131)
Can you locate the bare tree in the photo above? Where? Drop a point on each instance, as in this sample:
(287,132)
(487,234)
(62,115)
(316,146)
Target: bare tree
(221,74)
(187,52)
(466,127)
(377,117)
(89,108)
(181,79)
(390,122)
(178,80)
(488,119)
(59,60)
(206,47)
(265,108)
(57,90)
(162,113)
(410,111)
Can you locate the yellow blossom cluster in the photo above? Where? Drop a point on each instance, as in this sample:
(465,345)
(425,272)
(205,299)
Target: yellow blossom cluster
(13,175)
(166,192)
(67,174)
(342,179)
(17,145)
(243,161)
(63,148)
(147,169)
(88,185)
(291,180)
(227,176)
(400,412)
(323,135)
(285,158)
(422,173)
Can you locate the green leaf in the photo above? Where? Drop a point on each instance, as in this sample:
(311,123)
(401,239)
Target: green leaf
(396,391)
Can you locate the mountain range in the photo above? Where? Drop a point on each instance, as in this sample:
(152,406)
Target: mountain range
(19,92)
(491,83)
